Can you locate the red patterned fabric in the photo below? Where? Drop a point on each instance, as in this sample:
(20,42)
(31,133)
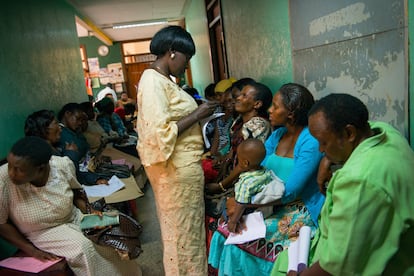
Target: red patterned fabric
(259,248)
(210,173)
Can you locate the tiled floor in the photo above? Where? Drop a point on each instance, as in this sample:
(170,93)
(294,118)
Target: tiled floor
(151,259)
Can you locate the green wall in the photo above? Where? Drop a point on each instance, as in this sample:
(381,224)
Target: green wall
(196,24)
(257,40)
(40,63)
(411,70)
(114,56)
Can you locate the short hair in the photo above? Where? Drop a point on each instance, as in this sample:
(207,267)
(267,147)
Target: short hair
(255,149)
(129,108)
(88,108)
(37,123)
(69,107)
(34,149)
(239,84)
(298,100)
(209,90)
(106,105)
(263,94)
(173,38)
(341,110)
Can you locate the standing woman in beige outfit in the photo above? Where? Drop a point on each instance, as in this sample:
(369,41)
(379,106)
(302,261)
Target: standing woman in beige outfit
(170,147)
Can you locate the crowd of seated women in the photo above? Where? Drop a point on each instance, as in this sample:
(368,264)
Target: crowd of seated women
(295,154)
(292,154)
(41,194)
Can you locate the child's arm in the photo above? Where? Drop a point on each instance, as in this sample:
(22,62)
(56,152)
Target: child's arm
(233,223)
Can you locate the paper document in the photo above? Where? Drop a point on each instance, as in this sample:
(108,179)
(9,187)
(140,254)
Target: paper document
(298,251)
(27,264)
(102,190)
(204,123)
(255,229)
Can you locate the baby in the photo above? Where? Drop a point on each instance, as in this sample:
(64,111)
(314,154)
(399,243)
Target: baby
(256,184)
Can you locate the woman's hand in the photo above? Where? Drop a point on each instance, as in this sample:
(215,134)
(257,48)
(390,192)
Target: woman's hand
(41,255)
(101,181)
(236,226)
(324,174)
(206,109)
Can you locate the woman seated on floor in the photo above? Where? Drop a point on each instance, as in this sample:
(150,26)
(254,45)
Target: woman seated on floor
(40,212)
(44,124)
(292,153)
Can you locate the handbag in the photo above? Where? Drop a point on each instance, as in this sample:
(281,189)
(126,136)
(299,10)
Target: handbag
(123,237)
(103,167)
(106,170)
(215,204)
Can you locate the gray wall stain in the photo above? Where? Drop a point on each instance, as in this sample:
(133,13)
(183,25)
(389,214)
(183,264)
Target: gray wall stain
(366,57)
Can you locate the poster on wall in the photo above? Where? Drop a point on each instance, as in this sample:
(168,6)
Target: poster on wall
(95,82)
(115,70)
(93,64)
(104,76)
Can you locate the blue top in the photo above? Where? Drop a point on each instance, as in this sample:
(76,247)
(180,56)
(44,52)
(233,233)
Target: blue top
(69,136)
(112,122)
(301,183)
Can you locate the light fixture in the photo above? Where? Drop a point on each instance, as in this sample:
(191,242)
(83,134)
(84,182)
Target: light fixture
(140,24)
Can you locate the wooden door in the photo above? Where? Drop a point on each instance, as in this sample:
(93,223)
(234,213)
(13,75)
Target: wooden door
(134,72)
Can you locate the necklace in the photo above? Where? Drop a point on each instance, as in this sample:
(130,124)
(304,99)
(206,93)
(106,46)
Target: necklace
(160,70)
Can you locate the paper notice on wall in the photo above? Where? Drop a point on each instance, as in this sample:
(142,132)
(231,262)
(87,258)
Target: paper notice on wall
(93,64)
(115,70)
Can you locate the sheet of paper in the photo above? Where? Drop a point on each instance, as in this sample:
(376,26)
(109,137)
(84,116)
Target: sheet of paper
(114,184)
(298,250)
(255,229)
(204,123)
(304,245)
(293,252)
(27,264)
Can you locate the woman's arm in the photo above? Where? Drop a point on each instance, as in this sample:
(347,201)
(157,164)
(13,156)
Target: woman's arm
(307,158)
(226,183)
(234,223)
(10,233)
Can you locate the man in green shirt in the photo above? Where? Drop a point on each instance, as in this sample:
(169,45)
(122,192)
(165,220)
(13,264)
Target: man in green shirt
(367,221)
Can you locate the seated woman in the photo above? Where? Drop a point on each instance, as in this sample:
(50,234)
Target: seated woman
(112,123)
(44,124)
(40,214)
(252,122)
(292,153)
(70,117)
(94,133)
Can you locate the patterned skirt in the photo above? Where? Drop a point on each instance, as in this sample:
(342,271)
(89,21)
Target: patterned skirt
(281,229)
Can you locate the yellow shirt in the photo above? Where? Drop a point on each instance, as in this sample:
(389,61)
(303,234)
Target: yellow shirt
(161,104)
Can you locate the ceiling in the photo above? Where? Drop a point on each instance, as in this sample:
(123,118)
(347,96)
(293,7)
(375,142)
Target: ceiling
(97,17)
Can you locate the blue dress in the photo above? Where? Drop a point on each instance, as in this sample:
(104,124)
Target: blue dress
(302,204)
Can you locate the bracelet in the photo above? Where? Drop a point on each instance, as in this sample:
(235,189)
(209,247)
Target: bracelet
(221,186)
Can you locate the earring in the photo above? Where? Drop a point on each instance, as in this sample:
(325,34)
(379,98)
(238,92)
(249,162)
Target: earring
(172,56)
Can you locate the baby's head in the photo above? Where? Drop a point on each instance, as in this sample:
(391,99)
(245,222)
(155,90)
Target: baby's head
(250,154)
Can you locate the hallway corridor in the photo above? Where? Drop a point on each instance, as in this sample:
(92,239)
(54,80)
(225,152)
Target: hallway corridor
(151,259)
